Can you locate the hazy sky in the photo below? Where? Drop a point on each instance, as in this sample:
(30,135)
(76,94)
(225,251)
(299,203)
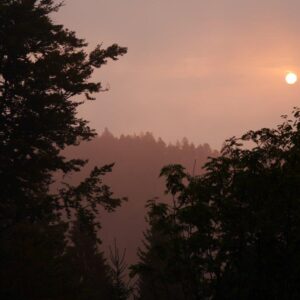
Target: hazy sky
(206,70)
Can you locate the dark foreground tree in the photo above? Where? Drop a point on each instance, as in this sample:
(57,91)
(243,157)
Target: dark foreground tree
(122,289)
(88,274)
(254,187)
(240,221)
(45,75)
(158,278)
(174,262)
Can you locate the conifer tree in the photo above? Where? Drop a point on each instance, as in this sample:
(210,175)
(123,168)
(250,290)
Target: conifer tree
(43,66)
(45,75)
(88,274)
(122,289)
(153,270)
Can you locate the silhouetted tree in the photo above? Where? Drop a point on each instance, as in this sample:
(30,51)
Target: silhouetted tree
(32,261)
(239,220)
(254,189)
(118,265)
(171,264)
(43,66)
(88,274)
(156,279)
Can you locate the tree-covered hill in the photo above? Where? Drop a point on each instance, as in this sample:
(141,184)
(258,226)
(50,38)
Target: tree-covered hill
(138,160)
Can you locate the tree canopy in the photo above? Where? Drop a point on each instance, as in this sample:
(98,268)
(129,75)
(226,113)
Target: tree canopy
(237,225)
(45,75)
(43,66)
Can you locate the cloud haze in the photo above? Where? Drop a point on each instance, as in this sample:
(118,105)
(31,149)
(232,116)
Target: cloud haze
(206,70)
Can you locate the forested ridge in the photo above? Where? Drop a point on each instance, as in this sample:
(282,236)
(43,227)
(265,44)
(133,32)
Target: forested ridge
(218,225)
(137,160)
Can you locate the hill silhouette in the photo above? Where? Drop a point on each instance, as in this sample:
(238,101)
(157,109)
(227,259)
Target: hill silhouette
(138,160)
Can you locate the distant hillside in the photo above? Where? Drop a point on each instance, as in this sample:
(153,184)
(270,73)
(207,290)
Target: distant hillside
(138,160)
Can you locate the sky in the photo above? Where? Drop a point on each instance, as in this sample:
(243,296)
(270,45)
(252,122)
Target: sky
(205,70)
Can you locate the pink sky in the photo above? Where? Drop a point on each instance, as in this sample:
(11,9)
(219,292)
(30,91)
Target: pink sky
(206,70)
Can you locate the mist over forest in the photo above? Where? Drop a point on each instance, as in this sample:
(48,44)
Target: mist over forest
(138,161)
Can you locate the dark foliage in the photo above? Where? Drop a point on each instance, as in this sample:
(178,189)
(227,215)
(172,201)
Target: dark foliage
(43,66)
(236,227)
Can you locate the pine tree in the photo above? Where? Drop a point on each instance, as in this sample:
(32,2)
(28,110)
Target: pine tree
(45,75)
(152,269)
(88,272)
(122,289)
(162,267)
(43,66)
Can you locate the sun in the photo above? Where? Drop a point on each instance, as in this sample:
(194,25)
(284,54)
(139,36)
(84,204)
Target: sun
(291,78)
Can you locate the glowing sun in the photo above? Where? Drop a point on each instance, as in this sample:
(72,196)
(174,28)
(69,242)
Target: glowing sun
(291,78)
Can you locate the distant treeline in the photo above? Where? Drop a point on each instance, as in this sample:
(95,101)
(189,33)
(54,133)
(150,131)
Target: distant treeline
(138,160)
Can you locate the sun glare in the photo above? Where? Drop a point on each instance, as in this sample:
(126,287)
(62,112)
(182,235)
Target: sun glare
(291,78)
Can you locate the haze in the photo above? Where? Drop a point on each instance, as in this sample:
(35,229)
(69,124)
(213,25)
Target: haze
(205,70)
